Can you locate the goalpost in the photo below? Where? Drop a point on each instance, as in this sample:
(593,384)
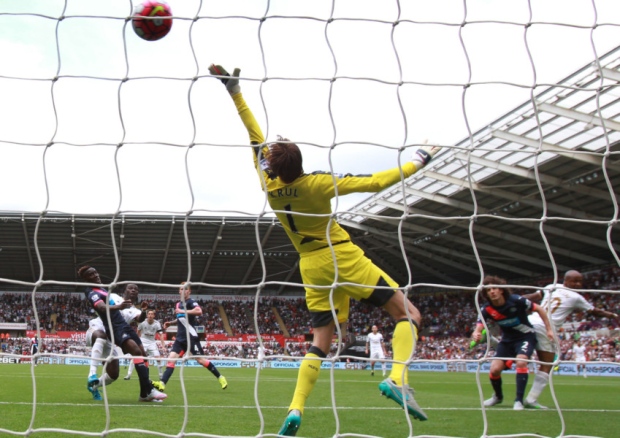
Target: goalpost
(97,121)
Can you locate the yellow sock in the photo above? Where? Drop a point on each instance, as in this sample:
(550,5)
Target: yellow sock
(403,345)
(306,378)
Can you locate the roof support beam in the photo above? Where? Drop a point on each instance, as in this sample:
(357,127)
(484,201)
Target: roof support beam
(451,263)
(74,242)
(121,240)
(415,262)
(418,250)
(465,242)
(290,274)
(413,227)
(389,268)
(493,191)
(576,115)
(162,269)
(441,199)
(28,249)
(513,237)
(216,241)
(531,175)
(595,160)
(487,261)
(528,224)
(256,258)
(387,204)
(614,75)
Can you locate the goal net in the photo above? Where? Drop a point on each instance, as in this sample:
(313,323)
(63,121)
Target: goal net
(106,132)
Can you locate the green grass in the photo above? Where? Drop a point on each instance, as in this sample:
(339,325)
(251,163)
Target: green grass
(590,406)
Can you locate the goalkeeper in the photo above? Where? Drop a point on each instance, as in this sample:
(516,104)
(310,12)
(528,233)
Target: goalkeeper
(302,203)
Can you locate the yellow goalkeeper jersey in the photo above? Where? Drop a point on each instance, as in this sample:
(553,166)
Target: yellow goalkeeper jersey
(304,206)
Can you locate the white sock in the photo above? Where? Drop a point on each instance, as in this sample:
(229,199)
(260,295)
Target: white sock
(95,354)
(105,380)
(131,367)
(540,382)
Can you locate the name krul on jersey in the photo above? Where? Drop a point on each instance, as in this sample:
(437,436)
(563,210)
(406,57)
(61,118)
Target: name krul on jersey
(285,192)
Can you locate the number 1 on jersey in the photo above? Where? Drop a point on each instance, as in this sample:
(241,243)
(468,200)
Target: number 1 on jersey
(289,218)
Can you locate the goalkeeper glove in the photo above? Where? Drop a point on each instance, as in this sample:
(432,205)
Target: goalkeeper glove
(424,155)
(473,343)
(231,82)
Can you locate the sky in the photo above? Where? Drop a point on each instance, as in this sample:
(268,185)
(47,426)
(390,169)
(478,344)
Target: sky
(138,126)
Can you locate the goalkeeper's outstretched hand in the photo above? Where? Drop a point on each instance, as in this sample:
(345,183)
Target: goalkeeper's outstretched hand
(475,342)
(424,155)
(231,82)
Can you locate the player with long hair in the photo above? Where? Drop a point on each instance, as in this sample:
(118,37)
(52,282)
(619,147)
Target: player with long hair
(302,203)
(510,312)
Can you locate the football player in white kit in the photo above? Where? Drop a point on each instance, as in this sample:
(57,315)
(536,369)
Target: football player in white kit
(374,341)
(148,330)
(560,303)
(103,347)
(579,355)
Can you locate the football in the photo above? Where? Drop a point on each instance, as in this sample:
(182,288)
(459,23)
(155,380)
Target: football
(151,20)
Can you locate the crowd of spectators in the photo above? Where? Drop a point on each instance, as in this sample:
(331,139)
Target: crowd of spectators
(294,315)
(599,348)
(56,311)
(238,316)
(448,320)
(22,345)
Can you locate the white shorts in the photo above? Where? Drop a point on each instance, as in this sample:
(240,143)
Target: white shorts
(377,355)
(108,348)
(580,359)
(542,341)
(89,337)
(151,349)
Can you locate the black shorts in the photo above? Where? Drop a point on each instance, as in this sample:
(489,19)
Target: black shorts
(524,345)
(180,346)
(124,333)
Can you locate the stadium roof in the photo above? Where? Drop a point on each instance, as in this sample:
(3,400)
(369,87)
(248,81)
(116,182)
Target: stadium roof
(151,249)
(531,193)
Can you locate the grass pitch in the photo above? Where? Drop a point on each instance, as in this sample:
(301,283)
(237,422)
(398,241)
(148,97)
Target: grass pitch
(590,407)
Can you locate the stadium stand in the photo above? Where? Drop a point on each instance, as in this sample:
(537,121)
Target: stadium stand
(448,322)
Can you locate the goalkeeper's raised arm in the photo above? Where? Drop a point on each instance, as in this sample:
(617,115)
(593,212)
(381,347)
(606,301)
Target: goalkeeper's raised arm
(250,123)
(302,203)
(283,159)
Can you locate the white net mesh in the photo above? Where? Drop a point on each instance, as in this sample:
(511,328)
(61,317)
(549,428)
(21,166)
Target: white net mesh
(97,121)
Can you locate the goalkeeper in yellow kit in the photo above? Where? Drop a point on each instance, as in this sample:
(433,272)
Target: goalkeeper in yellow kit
(302,203)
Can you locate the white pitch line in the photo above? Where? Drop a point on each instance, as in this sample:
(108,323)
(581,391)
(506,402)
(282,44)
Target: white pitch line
(368,408)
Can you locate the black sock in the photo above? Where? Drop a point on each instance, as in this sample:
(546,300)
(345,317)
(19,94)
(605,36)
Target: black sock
(167,374)
(214,370)
(145,381)
(521,384)
(497,387)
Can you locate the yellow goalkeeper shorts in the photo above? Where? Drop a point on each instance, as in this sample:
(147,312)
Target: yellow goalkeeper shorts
(317,268)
